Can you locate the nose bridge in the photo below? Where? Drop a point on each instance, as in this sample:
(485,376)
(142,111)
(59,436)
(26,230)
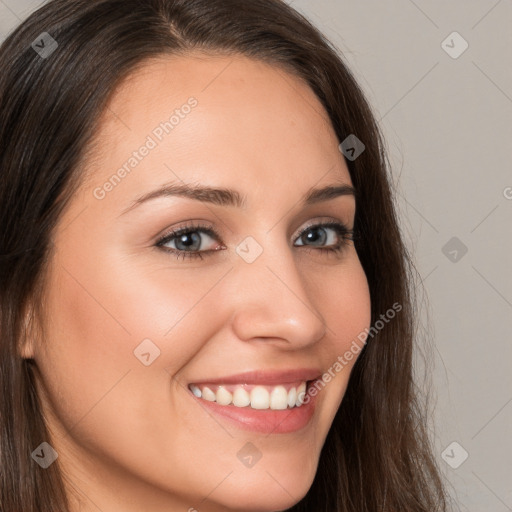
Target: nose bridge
(271,299)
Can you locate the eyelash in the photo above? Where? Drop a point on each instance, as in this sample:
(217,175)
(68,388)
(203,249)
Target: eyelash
(340,229)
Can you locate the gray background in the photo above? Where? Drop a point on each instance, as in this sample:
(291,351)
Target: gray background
(448,126)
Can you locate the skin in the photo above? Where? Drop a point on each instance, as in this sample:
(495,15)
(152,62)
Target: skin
(132,437)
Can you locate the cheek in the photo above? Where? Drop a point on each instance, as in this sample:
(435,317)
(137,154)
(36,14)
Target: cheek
(344,301)
(94,385)
(99,315)
(346,307)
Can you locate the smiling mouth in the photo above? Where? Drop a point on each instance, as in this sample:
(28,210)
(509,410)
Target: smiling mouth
(251,396)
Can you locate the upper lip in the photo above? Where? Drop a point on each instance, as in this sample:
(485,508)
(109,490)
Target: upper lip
(266,377)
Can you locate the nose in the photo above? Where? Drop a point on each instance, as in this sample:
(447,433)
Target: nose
(271,301)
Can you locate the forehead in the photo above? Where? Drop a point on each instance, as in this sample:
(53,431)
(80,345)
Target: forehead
(220,80)
(250,122)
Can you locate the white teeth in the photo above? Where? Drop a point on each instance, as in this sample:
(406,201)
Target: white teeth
(292,397)
(224,397)
(260,397)
(301,393)
(241,398)
(195,390)
(208,394)
(278,398)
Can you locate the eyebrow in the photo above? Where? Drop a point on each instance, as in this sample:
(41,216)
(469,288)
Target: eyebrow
(233,198)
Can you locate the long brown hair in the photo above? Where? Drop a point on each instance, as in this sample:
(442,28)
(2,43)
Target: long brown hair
(377,455)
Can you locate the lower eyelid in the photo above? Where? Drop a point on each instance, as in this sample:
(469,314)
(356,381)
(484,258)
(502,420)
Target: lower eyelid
(343,232)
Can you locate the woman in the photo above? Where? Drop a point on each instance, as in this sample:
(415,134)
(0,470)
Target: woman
(204,290)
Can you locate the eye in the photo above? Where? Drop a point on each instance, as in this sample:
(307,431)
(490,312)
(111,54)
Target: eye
(339,237)
(328,237)
(188,241)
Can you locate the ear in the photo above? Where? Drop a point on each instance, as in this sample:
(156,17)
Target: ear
(26,349)
(27,342)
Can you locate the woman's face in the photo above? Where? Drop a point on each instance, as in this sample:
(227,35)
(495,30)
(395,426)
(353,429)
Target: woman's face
(133,325)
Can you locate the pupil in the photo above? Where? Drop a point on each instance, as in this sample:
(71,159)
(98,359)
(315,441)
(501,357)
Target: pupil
(193,239)
(312,236)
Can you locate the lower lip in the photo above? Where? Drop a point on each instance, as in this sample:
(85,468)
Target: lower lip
(266,421)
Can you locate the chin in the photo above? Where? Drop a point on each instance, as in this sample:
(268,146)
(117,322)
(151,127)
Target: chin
(265,492)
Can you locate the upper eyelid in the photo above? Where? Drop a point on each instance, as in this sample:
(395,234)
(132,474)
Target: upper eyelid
(322,223)
(212,232)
